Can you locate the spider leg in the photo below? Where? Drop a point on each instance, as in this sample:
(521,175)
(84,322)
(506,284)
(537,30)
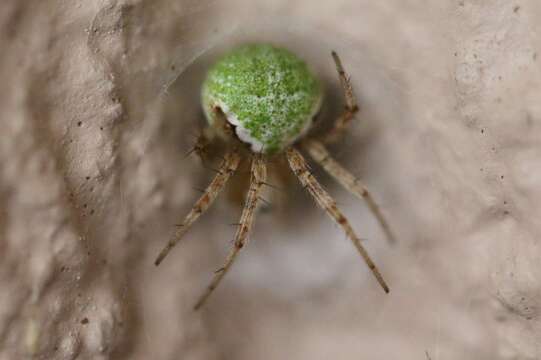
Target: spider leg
(257,180)
(351,106)
(300,168)
(319,153)
(201,146)
(228,167)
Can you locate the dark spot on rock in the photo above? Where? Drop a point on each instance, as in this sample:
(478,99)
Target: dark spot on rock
(516,9)
(482,131)
(79,123)
(501,177)
(84,321)
(87,177)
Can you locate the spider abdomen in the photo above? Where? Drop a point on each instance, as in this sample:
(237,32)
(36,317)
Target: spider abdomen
(267,94)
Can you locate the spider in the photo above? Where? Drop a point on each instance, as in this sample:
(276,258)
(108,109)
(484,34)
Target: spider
(260,101)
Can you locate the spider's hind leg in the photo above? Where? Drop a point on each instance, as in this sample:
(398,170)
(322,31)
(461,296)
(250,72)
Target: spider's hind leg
(351,107)
(300,168)
(257,180)
(319,153)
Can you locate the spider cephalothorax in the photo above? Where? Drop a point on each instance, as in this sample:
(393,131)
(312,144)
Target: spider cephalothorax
(262,99)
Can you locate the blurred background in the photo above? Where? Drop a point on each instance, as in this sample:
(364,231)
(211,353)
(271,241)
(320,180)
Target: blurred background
(99,103)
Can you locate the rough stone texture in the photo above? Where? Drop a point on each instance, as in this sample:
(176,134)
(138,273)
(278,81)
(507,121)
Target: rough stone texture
(93,176)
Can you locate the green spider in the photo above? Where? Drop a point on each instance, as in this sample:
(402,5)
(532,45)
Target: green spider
(260,102)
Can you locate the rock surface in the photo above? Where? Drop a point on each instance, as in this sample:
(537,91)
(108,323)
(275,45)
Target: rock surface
(93,176)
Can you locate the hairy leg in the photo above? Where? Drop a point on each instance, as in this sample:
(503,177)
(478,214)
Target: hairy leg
(200,146)
(320,154)
(228,167)
(300,168)
(257,180)
(351,106)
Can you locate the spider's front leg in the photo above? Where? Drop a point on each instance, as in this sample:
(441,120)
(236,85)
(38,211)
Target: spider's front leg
(257,180)
(300,168)
(351,107)
(321,155)
(229,166)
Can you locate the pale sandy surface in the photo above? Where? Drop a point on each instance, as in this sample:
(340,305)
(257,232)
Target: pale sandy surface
(93,175)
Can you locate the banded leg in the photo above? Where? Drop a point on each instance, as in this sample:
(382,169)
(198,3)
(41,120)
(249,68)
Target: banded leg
(351,106)
(257,180)
(320,154)
(323,199)
(228,167)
